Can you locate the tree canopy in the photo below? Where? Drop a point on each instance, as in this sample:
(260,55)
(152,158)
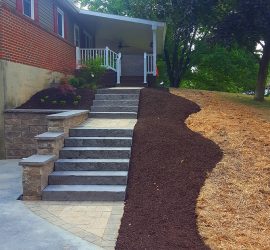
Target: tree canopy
(247,23)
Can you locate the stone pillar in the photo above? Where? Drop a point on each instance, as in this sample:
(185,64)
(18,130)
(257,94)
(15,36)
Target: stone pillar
(36,170)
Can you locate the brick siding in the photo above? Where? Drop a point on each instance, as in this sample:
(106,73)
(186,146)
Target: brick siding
(24,41)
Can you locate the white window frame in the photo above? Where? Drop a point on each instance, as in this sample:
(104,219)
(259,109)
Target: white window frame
(87,35)
(76,27)
(61,12)
(32,9)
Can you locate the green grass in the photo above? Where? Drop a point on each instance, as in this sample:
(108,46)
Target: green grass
(248,100)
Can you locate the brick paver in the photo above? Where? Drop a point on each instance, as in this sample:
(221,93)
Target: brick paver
(95,222)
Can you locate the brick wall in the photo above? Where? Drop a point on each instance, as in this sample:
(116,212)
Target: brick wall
(20,130)
(24,41)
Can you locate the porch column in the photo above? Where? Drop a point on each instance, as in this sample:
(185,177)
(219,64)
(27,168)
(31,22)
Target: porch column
(78,58)
(154,29)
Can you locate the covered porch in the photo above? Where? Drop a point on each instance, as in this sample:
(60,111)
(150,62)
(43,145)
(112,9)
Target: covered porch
(128,46)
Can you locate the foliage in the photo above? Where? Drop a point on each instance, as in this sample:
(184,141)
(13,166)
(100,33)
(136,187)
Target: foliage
(247,23)
(221,69)
(88,75)
(162,72)
(135,8)
(67,89)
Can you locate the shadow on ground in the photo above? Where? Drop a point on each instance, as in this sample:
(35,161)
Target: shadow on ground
(169,165)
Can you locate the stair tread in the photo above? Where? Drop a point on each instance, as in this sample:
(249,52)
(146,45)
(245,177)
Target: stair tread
(116,106)
(97,148)
(93,160)
(85,188)
(88,128)
(89,173)
(100,138)
(113,112)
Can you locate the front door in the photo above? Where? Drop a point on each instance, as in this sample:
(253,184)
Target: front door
(132,65)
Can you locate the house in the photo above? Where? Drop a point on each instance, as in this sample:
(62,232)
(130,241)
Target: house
(40,40)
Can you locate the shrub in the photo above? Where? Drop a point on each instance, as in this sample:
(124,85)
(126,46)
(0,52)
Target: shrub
(89,74)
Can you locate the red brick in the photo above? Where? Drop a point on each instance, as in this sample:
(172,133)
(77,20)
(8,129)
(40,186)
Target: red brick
(23,41)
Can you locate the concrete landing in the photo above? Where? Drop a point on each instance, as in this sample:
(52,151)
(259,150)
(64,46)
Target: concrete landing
(109,123)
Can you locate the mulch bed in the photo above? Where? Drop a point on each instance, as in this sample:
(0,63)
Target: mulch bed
(52,94)
(169,165)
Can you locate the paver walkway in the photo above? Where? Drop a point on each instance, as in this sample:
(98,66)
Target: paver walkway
(21,229)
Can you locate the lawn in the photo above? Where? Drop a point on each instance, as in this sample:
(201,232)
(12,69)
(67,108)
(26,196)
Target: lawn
(263,107)
(233,206)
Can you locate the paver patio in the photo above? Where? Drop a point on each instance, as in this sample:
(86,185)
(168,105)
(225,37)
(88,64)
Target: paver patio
(39,225)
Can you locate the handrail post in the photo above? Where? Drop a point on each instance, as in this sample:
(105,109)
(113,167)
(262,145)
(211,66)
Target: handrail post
(145,68)
(78,57)
(154,29)
(118,68)
(107,56)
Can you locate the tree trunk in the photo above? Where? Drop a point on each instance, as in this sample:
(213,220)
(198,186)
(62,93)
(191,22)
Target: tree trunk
(263,73)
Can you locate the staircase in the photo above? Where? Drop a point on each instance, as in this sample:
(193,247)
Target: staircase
(93,165)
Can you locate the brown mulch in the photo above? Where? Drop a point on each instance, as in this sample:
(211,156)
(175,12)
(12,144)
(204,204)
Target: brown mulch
(54,94)
(169,165)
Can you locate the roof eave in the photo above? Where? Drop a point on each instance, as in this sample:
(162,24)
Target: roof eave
(72,6)
(123,18)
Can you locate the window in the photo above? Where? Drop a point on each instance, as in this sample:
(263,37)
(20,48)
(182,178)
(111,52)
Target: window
(87,40)
(28,8)
(60,23)
(76,36)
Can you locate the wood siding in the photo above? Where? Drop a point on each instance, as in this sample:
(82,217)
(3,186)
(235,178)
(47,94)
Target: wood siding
(10,3)
(45,12)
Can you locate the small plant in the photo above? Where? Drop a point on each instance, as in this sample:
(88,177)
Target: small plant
(46,97)
(42,100)
(78,98)
(63,102)
(89,74)
(76,82)
(92,86)
(54,102)
(65,88)
(76,103)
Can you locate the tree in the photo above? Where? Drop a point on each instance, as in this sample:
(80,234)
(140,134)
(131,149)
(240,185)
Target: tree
(221,69)
(188,21)
(248,24)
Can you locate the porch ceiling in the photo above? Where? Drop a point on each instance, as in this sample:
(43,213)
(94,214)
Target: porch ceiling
(133,32)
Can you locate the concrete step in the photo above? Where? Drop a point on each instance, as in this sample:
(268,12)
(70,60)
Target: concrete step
(98,142)
(84,193)
(92,165)
(88,178)
(116,90)
(95,153)
(114,115)
(100,132)
(114,108)
(116,97)
(114,103)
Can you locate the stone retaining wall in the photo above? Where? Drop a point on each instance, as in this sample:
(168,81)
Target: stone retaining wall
(22,125)
(20,128)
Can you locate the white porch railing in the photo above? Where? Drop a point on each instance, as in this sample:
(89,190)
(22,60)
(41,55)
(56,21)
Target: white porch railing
(148,66)
(119,67)
(109,59)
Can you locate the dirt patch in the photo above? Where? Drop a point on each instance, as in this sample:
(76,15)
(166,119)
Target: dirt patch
(234,204)
(169,165)
(52,98)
